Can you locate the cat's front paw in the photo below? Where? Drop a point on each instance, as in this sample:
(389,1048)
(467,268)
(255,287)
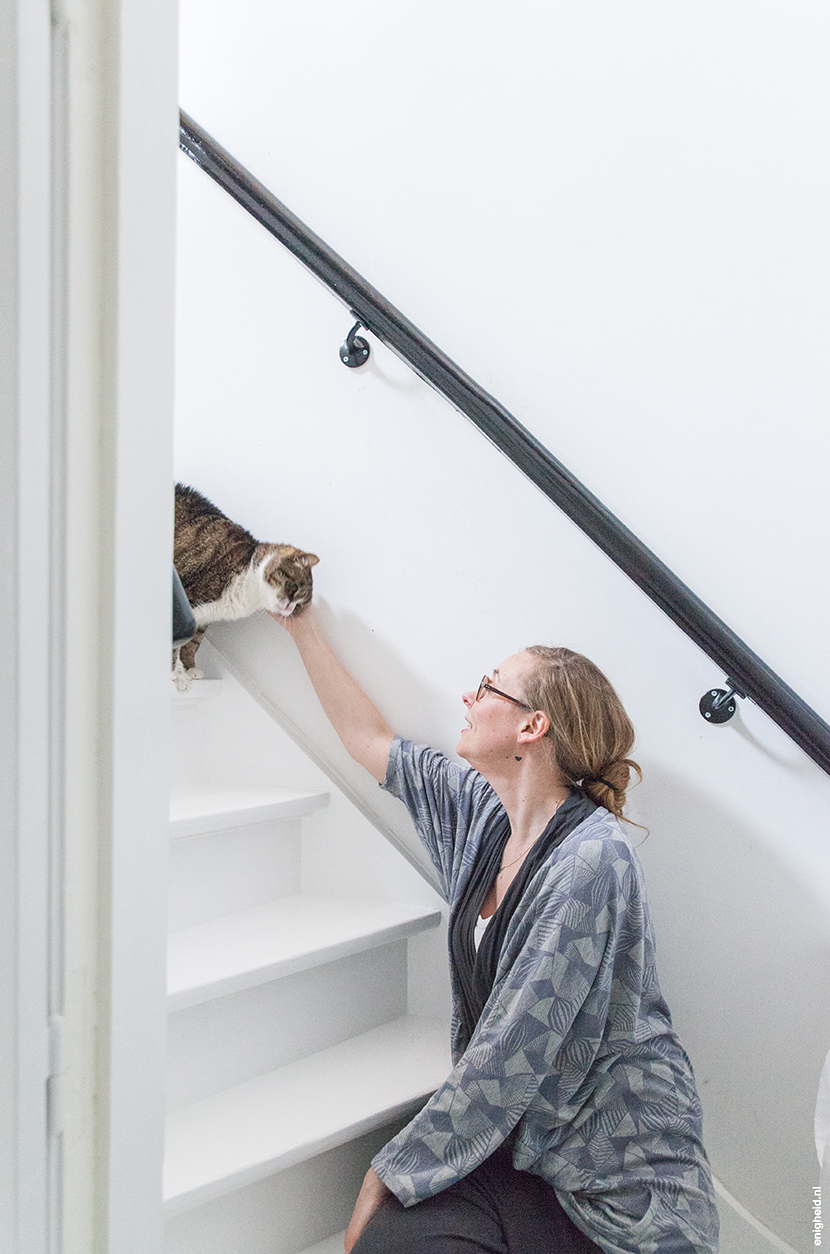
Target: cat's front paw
(195,673)
(181,678)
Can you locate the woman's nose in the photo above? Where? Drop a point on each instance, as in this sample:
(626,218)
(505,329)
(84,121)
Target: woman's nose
(468,698)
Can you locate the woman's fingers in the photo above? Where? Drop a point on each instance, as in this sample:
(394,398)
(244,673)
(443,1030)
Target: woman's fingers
(369,1199)
(294,623)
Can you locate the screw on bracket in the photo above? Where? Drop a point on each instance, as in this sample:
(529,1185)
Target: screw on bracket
(718,704)
(354,351)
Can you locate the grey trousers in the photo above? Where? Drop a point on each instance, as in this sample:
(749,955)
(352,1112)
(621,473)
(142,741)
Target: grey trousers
(493,1210)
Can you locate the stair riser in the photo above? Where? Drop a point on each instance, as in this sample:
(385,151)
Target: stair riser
(225,1042)
(285,1213)
(220,872)
(188,731)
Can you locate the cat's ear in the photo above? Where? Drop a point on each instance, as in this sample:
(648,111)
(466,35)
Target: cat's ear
(309,559)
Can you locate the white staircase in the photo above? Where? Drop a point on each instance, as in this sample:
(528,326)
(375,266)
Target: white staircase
(292,1053)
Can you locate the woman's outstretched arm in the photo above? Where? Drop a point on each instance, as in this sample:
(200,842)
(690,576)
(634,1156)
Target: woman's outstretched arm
(357,721)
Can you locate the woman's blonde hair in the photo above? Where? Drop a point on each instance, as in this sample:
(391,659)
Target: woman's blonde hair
(591,734)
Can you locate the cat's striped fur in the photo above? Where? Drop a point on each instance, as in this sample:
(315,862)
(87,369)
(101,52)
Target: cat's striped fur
(227,574)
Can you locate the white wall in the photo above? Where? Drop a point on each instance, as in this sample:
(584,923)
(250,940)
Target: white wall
(612,215)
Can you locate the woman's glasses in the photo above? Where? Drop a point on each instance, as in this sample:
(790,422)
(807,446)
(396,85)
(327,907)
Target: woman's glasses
(486,686)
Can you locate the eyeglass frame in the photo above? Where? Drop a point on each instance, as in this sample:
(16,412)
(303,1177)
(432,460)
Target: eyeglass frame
(486,686)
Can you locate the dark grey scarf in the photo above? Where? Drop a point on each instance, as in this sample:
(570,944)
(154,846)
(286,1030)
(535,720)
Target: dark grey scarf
(477,971)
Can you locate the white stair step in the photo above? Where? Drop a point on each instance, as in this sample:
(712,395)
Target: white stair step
(233,849)
(219,1044)
(284,1117)
(194,812)
(284,1212)
(199,690)
(279,938)
(332,1245)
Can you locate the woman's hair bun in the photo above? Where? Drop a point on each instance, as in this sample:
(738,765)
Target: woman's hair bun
(609,786)
(590,733)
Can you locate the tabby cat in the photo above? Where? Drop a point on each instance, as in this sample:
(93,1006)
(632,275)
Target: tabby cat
(227,574)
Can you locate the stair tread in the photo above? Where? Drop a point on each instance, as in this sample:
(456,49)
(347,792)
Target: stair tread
(195,811)
(199,690)
(284,1117)
(276,939)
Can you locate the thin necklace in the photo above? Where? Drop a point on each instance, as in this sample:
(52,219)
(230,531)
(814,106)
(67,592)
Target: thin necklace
(505,865)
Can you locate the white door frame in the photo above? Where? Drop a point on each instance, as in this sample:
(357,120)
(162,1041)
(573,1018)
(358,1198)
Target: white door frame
(88,124)
(26,678)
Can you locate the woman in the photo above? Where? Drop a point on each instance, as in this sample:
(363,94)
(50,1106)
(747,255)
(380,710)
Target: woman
(570,1122)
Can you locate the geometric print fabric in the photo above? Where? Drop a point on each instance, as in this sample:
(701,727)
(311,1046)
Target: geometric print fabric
(574,1057)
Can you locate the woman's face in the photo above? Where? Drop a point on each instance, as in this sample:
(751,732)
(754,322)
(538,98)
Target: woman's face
(493,723)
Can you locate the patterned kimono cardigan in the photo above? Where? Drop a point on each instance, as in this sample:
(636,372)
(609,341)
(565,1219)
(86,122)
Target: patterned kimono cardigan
(574,1056)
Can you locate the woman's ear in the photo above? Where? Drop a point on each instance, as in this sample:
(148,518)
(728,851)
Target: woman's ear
(535,727)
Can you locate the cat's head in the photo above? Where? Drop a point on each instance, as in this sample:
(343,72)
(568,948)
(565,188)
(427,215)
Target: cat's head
(286,577)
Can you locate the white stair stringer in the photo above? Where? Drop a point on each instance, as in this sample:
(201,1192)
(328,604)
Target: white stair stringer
(284,1117)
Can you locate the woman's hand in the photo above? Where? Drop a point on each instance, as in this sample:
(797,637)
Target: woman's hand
(295,624)
(369,1199)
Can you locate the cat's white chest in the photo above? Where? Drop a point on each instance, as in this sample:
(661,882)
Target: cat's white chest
(244,595)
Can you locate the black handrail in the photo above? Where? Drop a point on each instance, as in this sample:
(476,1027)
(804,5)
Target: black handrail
(749,674)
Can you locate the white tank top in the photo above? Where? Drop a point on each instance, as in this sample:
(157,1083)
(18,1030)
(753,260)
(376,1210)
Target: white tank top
(481,928)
